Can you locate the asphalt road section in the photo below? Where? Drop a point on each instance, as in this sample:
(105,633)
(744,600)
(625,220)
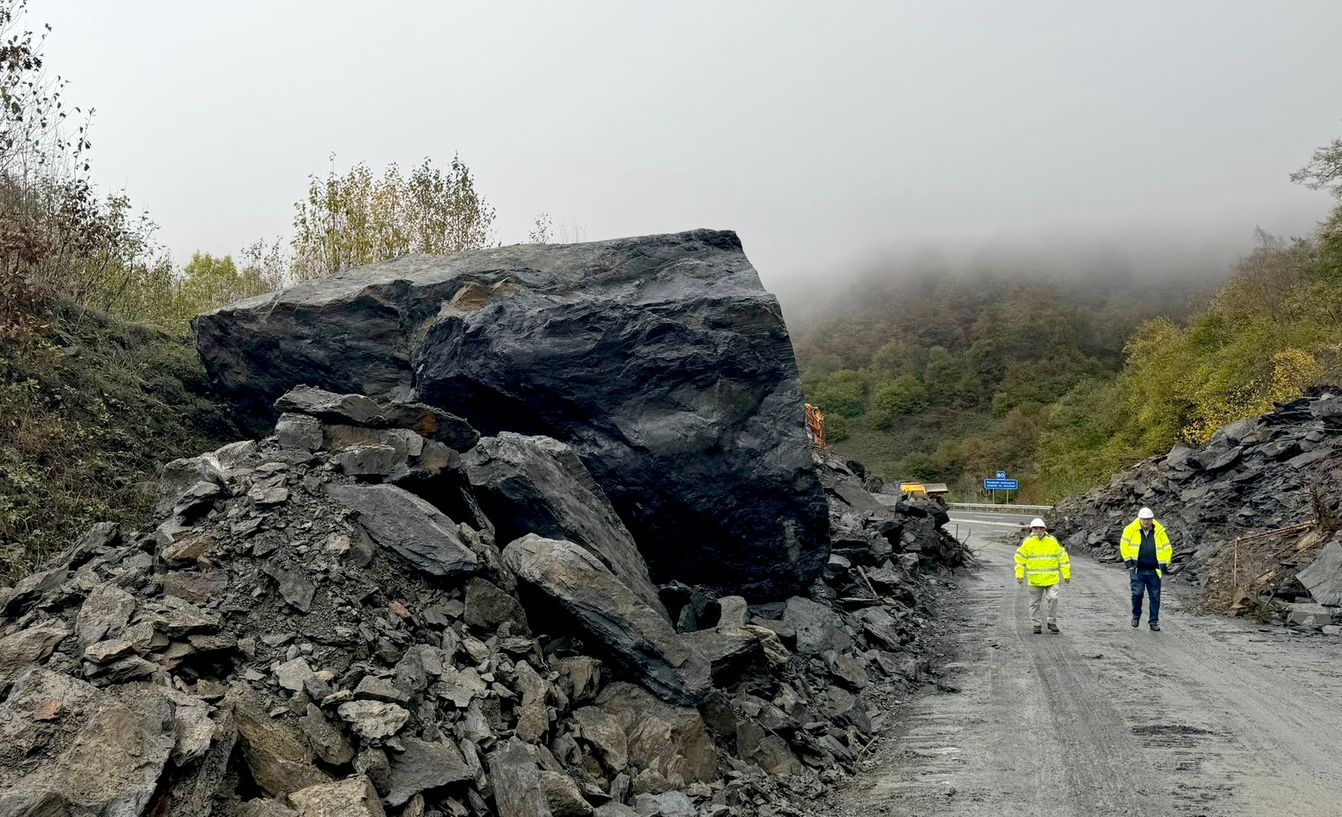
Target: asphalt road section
(1211,716)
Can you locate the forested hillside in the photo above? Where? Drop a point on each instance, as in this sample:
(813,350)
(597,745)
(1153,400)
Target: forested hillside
(950,375)
(1064,378)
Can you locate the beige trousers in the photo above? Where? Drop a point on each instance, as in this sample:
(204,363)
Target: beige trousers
(1042,594)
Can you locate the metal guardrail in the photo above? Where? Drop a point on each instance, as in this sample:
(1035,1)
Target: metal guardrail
(999,508)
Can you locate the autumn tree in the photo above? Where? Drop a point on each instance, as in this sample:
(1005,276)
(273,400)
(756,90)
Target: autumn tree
(359,218)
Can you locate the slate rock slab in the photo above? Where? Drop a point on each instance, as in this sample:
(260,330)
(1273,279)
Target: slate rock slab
(409,526)
(638,638)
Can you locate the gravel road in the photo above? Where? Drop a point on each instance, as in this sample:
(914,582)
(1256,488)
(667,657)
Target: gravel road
(1211,716)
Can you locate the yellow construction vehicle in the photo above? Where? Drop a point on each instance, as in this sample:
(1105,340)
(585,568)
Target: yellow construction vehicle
(935,491)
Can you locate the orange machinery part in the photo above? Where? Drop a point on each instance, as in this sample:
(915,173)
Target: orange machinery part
(815,423)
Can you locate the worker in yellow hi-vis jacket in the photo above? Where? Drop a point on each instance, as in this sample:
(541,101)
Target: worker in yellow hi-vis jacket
(1043,561)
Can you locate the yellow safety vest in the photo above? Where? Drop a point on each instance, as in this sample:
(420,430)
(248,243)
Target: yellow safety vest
(1132,543)
(1044,560)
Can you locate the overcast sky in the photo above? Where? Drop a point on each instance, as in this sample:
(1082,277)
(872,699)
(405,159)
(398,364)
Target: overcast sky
(824,133)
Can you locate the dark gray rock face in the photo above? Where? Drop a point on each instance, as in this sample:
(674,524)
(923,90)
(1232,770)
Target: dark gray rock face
(538,485)
(418,532)
(639,638)
(660,359)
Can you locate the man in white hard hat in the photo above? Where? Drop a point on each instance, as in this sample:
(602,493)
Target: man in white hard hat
(1146,551)
(1042,561)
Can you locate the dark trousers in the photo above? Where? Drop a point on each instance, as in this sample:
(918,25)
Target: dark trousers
(1147,581)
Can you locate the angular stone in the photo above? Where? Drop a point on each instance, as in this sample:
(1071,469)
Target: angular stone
(380,689)
(605,734)
(329,406)
(31,589)
(351,797)
(432,423)
(181,474)
(563,795)
(1323,577)
(190,548)
(733,612)
(327,741)
(298,432)
(196,501)
(666,804)
(415,530)
(768,751)
(487,607)
(292,675)
(276,753)
(21,650)
(105,614)
(105,651)
(521,796)
(672,742)
(369,460)
(818,627)
(847,669)
(423,766)
(1308,615)
(775,653)
(732,653)
(533,719)
(97,752)
(880,627)
(99,536)
(637,637)
(660,359)
(193,730)
(176,618)
(197,588)
(584,674)
(265,807)
(373,720)
(539,485)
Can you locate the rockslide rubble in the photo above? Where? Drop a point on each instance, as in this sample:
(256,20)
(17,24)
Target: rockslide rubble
(660,361)
(1253,515)
(374,610)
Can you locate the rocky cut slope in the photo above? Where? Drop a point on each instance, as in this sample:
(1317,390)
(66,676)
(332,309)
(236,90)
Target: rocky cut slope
(623,596)
(304,633)
(661,361)
(1253,515)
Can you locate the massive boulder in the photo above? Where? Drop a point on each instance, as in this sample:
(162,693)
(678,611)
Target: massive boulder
(660,360)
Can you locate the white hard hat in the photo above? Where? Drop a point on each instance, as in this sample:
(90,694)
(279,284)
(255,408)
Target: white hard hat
(1146,513)
(1037,523)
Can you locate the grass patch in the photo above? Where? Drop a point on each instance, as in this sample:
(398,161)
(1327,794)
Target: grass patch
(90,409)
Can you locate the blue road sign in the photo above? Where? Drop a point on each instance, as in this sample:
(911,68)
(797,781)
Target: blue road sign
(1001,485)
(1001,474)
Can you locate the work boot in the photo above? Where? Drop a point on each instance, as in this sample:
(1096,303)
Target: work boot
(1155,627)
(1053,628)
(1136,621)
(1038,630)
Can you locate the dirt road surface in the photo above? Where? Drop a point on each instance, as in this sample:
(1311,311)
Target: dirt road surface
(1211,716)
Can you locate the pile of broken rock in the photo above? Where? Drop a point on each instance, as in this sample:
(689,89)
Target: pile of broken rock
(375,610)
(1268,484)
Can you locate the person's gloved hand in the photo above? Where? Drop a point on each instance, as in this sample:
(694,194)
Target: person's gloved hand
(1131,564)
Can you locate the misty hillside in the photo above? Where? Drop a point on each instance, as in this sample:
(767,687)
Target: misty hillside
(1064,379)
